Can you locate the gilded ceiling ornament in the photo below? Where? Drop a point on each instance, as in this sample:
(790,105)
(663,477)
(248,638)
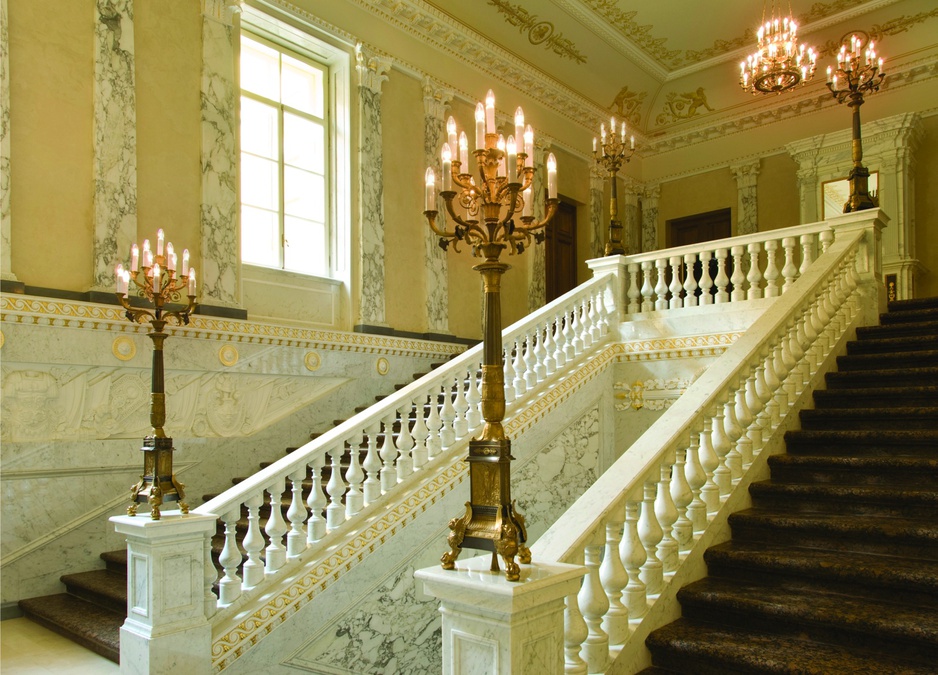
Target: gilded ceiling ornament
(898,25)
(683,106)
(640,35)
(539,32)
(628,105)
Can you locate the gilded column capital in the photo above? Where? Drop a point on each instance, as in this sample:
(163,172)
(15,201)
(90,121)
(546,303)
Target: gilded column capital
(372,68)
(436,98)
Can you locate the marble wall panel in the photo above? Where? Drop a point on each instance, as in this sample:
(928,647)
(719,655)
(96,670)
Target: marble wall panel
(435,100)
(596,214)
(747,213)
(115,139)
(6,264)
(650,218)
(631,219)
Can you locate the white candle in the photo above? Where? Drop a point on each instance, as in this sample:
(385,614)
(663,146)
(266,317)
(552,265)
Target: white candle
(623,132)
(431,189)
(156,278)
(170,257)
(594,144)
(529,145)
(463,152)
(159,241)
(480,127)
(146,244)
(490,112)
(192,282)
(551,176)
(632,142)
(125,281)
(447,168)
(119,273)
(147,257)
(185,262)
(451,133)
(830,74)
(512,161)
(134,258)
(519,123)
(528,210)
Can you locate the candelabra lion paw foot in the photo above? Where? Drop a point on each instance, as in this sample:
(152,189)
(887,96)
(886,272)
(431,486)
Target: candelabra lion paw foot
(455,538)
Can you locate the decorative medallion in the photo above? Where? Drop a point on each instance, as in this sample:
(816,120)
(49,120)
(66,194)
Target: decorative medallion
(124,348)
(654,394)
(628,105)
(382,366)
(539,32)
(228,355)
(312,361)
(679,107)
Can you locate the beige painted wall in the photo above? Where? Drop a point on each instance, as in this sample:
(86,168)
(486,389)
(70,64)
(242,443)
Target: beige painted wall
(777,188)
(696,194)
(926,208)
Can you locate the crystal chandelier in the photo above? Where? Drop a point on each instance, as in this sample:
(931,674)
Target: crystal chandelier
(779,63)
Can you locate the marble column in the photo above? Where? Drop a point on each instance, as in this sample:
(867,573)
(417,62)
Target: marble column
(747,215)
(372,71)
(115,140)
(599,219)
(166,630)
(499,627)
(650,218)
(220,283)
(436,100)
(631,219)
(537,269)
(6,258)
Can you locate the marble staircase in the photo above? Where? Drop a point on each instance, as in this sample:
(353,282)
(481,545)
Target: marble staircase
(834,569)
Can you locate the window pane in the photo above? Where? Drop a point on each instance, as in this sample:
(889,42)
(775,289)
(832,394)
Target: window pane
(260,237)
(304,194)
(260,67)
(303,143)
(302,86)
(259,128)
(305,249)
(260,185)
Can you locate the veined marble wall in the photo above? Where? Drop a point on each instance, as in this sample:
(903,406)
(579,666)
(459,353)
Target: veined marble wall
(747,213)
(537,279)
(631,218)
(220,271)
(115,139)
(435,102)
(597,215)
(650,218)
(371,73)
(6,258)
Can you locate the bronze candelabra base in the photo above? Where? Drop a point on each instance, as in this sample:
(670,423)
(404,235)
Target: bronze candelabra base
(614,245)
(158,483)
(860,198)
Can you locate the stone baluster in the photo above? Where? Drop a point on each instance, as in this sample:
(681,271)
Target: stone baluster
(710,492)
(811,345)
(744,419)
(354,498)
(764,394)
(774,385)
(276,554)
(578,343)
(807,252)
(826,237)
(530,363)
(550,363)
(722,475)
(666,513)
(614,578)
(421,433)
(540,354)
(586,326)
(819,325)
(755,273)
(229,588)
(335,511)
(647,289)
(593,605)
(560,341)
(253,542)
(434,425)
(661,288)
(635,291)
(569,335)
(296,514)
(518,366)
(696,477)
(474,397)
(682,496)
(316,501)
(461,405)
(754,406)
(448,417)
(706,282)
(734,433)
(649,531)
(771,270)
(575,633)
(372,465)
(595,315)
(633,557)
(388,454)
(738,279)
(789,271)
(791,355)
(675,287)
(721,279)
(405,442)
(690,283)
(508,369)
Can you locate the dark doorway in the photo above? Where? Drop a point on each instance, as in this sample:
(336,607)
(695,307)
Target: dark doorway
(700,227)
(560,258)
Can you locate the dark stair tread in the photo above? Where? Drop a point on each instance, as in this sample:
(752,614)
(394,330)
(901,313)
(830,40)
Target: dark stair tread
(861,463)
(110,586)
(883,395)
(923,314)
(874,369)
(717,649)
(927,325)
(896,413)
(90,625)
(887,442)
(890,572)
(900,306)
(925,530)
(861,493)
(892,345)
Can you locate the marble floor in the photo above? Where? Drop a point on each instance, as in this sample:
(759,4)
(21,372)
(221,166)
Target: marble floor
(26,648)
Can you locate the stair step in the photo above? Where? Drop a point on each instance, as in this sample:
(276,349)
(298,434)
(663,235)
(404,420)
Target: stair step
(902,472)
(885,370)
(808,611)
(912,304)
(902,329)
(102,587)
(857,500)
(873,442)
(90,625)
(891,345)
(888,397)
(705,649)
(909,316)
(116,561)
(870,418)
(890,536)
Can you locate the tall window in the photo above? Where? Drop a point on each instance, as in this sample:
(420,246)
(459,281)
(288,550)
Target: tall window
(284,159)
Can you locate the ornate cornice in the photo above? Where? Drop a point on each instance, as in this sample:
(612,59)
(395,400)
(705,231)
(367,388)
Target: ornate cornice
(372,68)
(436,98)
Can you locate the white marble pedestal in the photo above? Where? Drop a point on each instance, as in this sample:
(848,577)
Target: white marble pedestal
(166,630)
(492,626)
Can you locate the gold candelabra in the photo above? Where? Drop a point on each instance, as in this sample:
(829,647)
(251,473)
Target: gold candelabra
(611,154)
(155,279)
(485,211)
(849,83)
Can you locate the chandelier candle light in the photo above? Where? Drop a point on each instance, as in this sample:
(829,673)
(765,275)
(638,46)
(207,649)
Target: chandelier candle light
(155,278)
(779,63)
(852,79)
(612,154)
(492,210)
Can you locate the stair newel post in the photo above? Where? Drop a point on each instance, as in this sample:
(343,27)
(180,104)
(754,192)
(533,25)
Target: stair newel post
(577,328)
(447,415)
(434,426)
(335,511)
(632,553)
(530,361)
(575,633)
(520,384)
(675,286)
(540,354)
(474,397)
(690,283)
(789,270)
(355,498)
(461,405)
(372,465)
(771,269)
(744,418)
(253,542)
(755,406)
(722,475)
(650,532)
(807,252)
(706,281)
(710,492)
(276,528)
(509,370)
(593,605)
(647,289)
(696,477)
(421,433)
(739,278)
(405,441)
(734,432)
(755,273)
(296,514)
(560,341)
(388,452)
(682,496)
(229,588)
(614,578)
(316,501)
(721,280)
(667,515)
(209,576)
(635,291)
(661,288)
(550,363)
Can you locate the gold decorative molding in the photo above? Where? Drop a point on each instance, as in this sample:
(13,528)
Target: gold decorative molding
(877,32)
(538,32)
(382,366)
(680,107)
(228,355)
(655,394)
(641,35)
(124,348)
(312,361)
(694,346)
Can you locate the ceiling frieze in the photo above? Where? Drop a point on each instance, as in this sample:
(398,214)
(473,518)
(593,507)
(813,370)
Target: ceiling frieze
(892,27)
(538,32)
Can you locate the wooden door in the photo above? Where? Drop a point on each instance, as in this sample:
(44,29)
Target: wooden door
(560,260)
(699,228)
